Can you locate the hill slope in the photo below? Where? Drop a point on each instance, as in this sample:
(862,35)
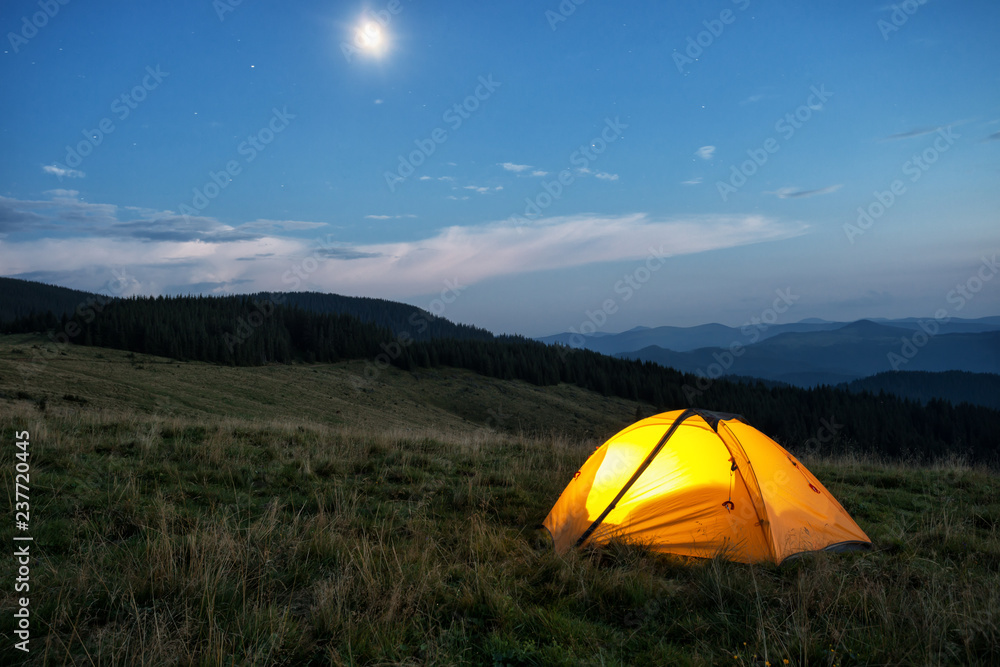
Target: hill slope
(181,532)
(21,298)
(344,395)
(244,331)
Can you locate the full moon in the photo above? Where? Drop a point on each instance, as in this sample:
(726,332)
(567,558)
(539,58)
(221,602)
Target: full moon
(369,37)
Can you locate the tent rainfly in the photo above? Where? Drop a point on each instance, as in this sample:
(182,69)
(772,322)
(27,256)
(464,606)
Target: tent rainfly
(699,483)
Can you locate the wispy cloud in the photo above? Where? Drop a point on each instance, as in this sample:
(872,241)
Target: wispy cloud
(796,193)
(916,132)
(165,254)
(927,129)
(753,99)
(483,190)
(539,172)
(517,168)
(694,181)
(270,226)
(705,152)
(605,176)
(474,253)
(62,172)
(390,217)
(66,216)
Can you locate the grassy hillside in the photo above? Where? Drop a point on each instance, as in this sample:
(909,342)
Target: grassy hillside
(344,394)
(197,514)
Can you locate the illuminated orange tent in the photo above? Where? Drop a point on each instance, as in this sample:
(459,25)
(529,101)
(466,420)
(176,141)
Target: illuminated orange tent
(699,483)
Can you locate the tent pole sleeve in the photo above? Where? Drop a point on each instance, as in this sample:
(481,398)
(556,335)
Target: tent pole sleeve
(749,478)
(641,469)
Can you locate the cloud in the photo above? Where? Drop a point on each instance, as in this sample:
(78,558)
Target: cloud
(345,253)
(909,134)
(424,178)
(390,217)
(517,168)
(80,243)
(539,172)
(705,152)
(66,216)
(694,181)
(14,220)
(454,198)
(605,176)
(61,172)
(446,178)
(484,190)
(753,99)
(473,253)
(795,193)
(378,101)
(265,226)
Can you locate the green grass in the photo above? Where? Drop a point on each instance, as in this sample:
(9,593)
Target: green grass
(196,537)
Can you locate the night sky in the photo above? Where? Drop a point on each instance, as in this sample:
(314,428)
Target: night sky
(534,161)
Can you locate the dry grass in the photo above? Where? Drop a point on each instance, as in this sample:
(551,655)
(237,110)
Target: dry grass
(172,540)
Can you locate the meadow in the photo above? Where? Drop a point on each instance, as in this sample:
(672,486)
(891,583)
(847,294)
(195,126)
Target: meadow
(199,515)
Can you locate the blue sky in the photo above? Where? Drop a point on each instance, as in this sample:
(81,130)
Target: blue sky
(641,163)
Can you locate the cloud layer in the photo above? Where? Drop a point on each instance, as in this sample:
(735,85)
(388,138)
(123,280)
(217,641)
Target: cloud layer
(167,253)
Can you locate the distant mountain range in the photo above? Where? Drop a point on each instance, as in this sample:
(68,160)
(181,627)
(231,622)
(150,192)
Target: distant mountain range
(808,353)
(685,339)
(803,354)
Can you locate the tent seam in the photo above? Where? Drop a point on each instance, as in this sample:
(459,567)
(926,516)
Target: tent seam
(768,533)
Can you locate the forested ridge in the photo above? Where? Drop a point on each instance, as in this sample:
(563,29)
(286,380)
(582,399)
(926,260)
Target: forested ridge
(259,329)
(956,386)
